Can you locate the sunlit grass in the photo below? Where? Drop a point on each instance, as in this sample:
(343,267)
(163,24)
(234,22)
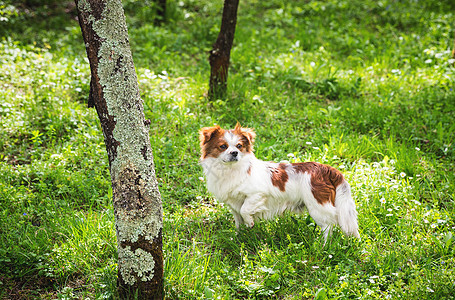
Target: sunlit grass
(364,86)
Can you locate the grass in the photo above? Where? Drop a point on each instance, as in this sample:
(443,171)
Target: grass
(365,86)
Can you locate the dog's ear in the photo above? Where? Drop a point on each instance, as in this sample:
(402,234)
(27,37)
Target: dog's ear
(246,132)
(207,133)
(250,134)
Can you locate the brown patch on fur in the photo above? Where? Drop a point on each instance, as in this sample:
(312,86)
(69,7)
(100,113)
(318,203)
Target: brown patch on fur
(279,176)
(324,180)
(211,139)
(249,170)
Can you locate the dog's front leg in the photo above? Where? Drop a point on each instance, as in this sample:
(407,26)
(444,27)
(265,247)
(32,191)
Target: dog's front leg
(253,204)
(237,218)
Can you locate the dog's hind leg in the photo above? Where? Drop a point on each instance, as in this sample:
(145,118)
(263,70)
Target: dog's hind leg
(324,216)
(327,232)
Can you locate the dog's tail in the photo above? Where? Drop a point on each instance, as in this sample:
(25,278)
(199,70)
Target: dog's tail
(346,212)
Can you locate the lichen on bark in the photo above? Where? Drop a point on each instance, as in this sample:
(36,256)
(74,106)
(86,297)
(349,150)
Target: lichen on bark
(119,81)
(132,199)
(143,270)
(84,6)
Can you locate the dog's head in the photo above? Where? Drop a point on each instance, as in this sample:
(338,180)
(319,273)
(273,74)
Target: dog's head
(227,145)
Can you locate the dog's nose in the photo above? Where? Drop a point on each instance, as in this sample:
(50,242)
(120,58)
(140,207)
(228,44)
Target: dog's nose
(234,153)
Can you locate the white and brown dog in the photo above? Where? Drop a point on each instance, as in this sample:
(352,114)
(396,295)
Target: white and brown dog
(257,189)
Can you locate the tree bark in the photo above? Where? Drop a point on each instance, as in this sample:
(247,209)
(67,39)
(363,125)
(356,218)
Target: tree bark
(114,92)
(221,51)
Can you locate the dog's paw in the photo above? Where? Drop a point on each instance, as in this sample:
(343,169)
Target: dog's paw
(249,222)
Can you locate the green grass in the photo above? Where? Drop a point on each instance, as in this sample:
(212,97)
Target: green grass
(365,86)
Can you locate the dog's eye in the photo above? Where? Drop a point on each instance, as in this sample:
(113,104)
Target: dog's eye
(224,146)
(239,146)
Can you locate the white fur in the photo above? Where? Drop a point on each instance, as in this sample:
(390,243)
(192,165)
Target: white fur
(346,211)
(246,187)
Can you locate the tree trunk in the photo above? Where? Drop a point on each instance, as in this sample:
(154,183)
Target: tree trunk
(453,50)
(160,17)
(115,94)
(221,51)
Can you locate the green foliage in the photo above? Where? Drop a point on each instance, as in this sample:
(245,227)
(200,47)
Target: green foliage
(365,86)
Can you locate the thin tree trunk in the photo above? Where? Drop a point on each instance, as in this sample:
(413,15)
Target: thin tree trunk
(221,51)
(115,94)
(160,12)
(453,50)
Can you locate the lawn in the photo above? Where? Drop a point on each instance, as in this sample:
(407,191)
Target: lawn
(364,86)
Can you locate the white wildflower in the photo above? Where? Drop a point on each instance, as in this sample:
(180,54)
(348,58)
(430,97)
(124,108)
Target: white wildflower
(417,202)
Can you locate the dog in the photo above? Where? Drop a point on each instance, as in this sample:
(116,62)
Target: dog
(256,189)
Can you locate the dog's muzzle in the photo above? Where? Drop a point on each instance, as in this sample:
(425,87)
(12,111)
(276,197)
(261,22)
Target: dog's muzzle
(233,156)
